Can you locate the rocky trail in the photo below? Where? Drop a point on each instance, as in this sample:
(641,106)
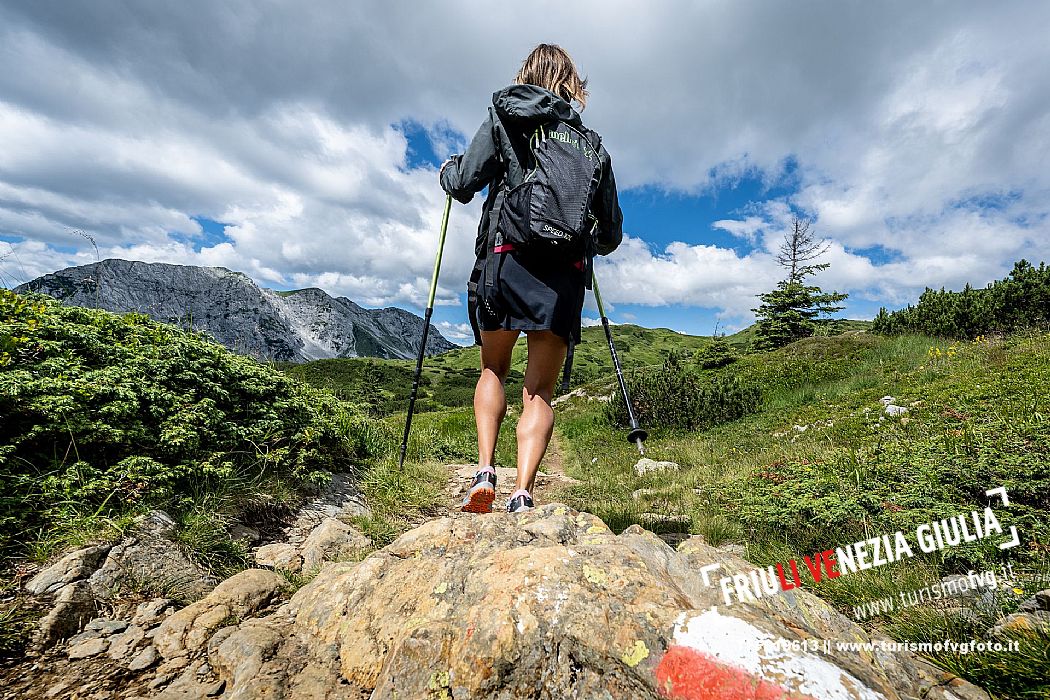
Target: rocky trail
(548,604)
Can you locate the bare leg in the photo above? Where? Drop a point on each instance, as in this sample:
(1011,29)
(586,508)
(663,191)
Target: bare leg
(546,355)
(490,397)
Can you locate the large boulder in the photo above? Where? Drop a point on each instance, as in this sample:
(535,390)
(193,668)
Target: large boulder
(552,604)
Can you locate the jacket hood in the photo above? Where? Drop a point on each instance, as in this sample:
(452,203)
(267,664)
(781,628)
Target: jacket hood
(532,103)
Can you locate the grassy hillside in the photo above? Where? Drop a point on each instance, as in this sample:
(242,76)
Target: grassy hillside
(744,338)
(983,406)
(821,465)
(449,379)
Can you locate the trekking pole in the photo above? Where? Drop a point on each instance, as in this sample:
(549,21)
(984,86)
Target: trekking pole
(637,434)
(423,342)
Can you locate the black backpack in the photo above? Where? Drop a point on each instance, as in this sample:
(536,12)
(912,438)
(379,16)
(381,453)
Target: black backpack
(548,213)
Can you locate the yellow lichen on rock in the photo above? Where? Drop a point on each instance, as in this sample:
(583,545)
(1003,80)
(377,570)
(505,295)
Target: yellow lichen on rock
(636,654)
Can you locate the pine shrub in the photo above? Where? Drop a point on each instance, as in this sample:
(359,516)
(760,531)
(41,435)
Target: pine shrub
(1018,302)
(676,395)
(104,412)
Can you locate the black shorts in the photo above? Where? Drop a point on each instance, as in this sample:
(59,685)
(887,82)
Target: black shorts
(529,294)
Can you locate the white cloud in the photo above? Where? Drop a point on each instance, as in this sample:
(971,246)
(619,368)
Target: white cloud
(458,333)
(904,119)
(697,275)
(344,213)
(747,229)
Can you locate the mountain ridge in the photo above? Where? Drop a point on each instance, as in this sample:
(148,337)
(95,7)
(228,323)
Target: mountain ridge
(297,326)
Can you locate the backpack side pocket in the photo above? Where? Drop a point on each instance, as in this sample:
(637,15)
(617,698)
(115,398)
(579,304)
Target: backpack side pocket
(515,218)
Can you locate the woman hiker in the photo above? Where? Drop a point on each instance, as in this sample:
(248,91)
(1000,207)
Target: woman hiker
(534,137)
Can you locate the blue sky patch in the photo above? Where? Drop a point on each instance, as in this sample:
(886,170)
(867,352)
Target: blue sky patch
(877,254)
(429,145)
(662,217)
(214,233)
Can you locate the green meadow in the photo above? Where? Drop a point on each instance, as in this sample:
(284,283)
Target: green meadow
(780,454)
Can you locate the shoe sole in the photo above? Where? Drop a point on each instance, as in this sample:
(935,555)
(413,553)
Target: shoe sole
(479,501)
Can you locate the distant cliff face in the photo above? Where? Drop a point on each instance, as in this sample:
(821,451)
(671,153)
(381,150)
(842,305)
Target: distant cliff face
(307,324)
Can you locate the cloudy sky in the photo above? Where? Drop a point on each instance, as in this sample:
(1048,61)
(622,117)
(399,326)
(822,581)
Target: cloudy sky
(299,142)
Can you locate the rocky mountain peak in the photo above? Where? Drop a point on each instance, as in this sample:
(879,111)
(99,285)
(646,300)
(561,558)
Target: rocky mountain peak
(300,325)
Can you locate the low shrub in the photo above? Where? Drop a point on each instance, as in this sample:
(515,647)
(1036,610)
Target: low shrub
(104,412)
(676,396)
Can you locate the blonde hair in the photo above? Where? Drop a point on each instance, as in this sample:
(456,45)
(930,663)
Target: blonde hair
(550,66)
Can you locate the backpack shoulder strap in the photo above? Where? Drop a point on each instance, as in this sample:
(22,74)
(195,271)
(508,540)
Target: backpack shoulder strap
(485,258)
(595,139)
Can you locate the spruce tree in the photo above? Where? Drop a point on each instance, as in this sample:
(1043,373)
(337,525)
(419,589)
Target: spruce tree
(790,311)
(718,354)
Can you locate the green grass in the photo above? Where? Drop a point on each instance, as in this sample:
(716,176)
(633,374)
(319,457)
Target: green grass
(839,381)
(820,466)
(812,469)
(448,379)
(401,500)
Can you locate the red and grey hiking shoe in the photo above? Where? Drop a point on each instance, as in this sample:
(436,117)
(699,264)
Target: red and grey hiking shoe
(482,492)
(520,501)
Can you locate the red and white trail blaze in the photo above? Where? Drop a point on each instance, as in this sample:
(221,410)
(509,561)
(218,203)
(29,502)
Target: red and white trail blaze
(720,657)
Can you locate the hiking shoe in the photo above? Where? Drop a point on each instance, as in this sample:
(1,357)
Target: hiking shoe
(482,492)
(520,501)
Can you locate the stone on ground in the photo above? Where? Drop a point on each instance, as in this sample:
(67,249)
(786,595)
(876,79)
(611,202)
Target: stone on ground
(1040,601)
(279,555)
(88,648)
(72,567)
(73,606)
(144,659)
(124,643)
(235,598)
(152,612)
(646,466)
(332,540)
(1036,624)
(148,555)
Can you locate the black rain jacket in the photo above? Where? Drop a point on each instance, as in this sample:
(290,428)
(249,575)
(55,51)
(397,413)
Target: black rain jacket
(498,157)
